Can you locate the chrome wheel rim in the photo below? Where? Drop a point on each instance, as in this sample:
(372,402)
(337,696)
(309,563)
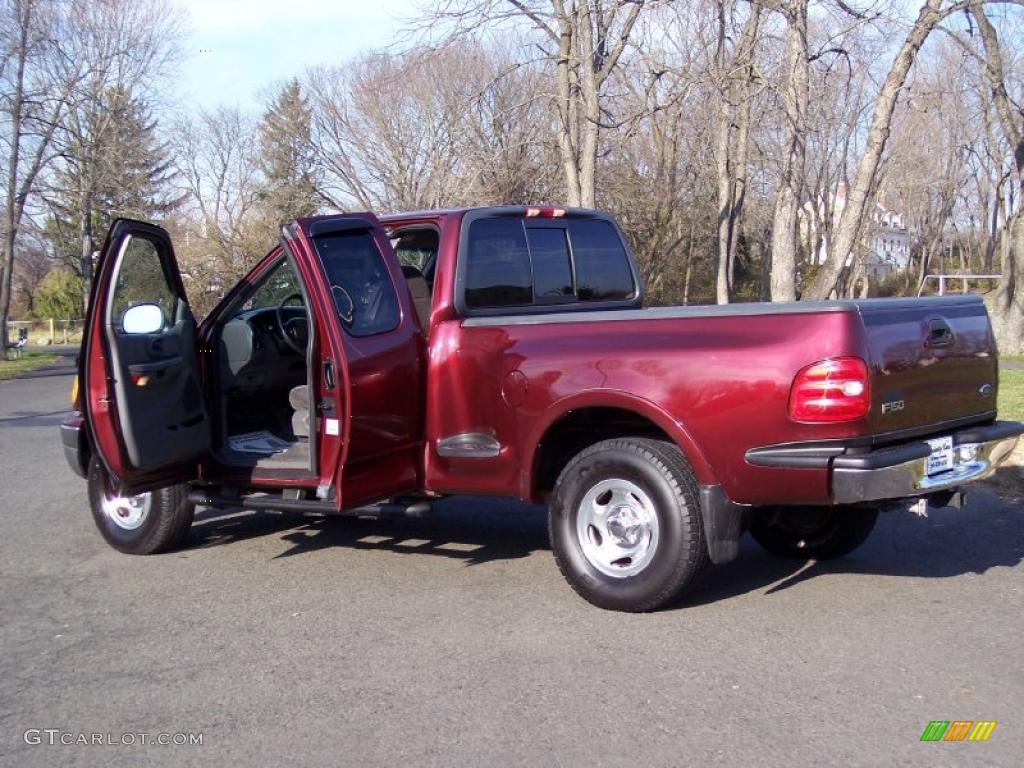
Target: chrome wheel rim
(617,528)
(127,512)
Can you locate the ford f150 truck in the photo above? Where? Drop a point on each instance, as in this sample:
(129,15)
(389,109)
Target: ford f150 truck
(369,365)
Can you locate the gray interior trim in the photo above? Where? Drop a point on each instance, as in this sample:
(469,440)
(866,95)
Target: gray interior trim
(718,310)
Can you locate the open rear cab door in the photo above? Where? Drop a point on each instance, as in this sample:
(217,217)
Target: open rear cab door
(142,399)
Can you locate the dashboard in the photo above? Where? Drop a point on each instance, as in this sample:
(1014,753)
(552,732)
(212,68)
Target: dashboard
(253,354)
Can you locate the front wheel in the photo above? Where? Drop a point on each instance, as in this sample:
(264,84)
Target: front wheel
(143,524)
(815,533)
(625,524)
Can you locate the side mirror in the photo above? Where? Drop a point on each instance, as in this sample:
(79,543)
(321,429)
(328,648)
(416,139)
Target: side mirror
(142,319)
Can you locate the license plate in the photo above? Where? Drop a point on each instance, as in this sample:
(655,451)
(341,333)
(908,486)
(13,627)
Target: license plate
(941,458)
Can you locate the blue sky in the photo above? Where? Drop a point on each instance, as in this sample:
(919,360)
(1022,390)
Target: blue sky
(237,48)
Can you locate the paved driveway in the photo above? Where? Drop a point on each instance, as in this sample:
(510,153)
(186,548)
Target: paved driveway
(454,641)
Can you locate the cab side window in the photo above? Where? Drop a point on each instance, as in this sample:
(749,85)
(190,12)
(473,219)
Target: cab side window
(141,279)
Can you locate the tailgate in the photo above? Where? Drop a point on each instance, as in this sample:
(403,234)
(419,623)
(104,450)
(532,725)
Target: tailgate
(933,361)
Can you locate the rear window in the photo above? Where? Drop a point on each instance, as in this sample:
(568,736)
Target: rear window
(514,262)
(552,267)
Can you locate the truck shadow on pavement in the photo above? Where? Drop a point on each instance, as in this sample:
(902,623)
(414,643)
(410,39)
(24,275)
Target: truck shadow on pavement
(471,530)
(950,542)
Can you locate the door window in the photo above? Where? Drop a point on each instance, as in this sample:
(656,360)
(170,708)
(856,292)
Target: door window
(141,280)
(275,288)
(363,293)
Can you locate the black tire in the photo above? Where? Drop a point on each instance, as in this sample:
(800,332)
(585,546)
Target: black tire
(668,493)
(164,525)
(813,533)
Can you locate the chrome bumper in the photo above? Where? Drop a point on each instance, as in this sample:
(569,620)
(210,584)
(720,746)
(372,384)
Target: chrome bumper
(900,472)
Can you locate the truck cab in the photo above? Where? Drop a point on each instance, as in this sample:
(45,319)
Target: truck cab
(366,366)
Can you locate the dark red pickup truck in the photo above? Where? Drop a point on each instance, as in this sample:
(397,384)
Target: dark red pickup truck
(369,365)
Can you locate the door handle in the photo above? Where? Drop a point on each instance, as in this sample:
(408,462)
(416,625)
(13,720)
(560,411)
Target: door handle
(939,334)
(156,366)
(329,373)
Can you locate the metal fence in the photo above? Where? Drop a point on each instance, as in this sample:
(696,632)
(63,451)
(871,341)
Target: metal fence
(942,279)
(47,332)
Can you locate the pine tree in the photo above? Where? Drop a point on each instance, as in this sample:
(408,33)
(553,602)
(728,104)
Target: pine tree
(138,168)
(114,165)
(286,159)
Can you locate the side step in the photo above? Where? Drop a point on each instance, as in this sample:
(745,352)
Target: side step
(416,506)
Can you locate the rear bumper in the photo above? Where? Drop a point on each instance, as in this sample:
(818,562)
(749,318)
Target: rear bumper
(900,471)
(75,444)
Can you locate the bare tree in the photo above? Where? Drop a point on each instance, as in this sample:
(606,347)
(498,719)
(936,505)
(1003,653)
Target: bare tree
(790,192)
(37,79)
(131,46)
(851,221)
(735,74)
(219,163)
(462,125)
(1010,298)
(583,41)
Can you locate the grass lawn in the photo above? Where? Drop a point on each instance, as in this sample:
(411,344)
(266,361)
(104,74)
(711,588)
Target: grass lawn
(1009,482)
(29,361)
(1011,395)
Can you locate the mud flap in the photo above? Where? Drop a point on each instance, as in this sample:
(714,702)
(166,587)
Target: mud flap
(723,523)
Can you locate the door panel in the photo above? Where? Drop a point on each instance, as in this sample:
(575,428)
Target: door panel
(144,401)
(380,355)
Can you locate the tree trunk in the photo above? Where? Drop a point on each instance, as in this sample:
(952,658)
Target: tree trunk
(11,208)
(568,114)
(88,246)
(786,220)
(726,215)
(850,228)
(731,159)
(1008,319)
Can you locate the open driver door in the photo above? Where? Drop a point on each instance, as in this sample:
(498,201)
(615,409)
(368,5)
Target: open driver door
(142,399)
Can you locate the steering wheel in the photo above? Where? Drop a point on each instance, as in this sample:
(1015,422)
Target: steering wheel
(289,334)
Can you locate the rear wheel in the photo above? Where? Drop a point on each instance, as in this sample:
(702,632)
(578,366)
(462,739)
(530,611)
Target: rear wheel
(143,524)
(817,533)
(625,524)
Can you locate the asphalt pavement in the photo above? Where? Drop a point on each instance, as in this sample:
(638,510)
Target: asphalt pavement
(453,641)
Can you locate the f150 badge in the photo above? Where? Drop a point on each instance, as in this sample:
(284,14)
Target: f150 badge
(893,406)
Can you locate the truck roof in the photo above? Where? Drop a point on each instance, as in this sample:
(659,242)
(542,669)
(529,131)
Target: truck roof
(500,209)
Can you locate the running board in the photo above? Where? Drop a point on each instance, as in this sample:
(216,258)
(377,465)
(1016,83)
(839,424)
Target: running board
(411,507)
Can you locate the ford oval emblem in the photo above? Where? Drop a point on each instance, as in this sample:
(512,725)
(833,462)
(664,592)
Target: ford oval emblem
(985,390)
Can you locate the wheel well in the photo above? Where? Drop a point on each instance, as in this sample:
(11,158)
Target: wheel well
(579,429)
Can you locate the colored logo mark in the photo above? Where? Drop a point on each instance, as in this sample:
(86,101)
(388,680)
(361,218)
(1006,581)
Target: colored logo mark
(958,730)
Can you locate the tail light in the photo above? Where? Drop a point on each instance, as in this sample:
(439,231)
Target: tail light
(545,213)
(831,391)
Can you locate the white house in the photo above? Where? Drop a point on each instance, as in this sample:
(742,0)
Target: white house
(888,246)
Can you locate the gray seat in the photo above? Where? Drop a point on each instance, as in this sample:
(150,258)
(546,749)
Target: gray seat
(298,399)
(420,294)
